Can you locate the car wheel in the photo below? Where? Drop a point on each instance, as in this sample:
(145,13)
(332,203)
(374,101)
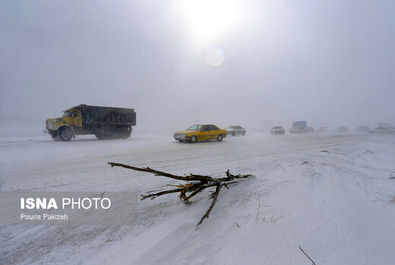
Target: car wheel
(193,139)
(65,134)
(219,138)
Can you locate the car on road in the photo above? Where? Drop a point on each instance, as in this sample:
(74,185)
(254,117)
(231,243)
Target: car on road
(200,132)
(342,129)
(384,128)
(363,129)
(235,130)
(278,130)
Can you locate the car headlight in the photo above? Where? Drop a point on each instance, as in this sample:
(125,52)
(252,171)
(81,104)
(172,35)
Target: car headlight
(179,136)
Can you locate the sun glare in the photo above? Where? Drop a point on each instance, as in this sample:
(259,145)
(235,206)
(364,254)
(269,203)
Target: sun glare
(209,20)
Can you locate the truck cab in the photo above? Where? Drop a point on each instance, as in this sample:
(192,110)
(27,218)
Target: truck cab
(63,128)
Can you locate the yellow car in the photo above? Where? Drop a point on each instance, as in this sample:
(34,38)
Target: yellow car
(200,132)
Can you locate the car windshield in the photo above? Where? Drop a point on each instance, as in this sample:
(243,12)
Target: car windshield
(66,114)
(195,127)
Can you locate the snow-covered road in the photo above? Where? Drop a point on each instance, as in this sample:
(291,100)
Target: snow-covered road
(331,194)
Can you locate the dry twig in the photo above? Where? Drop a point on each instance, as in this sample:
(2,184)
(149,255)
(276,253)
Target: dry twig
(195,184)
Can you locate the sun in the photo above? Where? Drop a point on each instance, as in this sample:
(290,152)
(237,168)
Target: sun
(208,21)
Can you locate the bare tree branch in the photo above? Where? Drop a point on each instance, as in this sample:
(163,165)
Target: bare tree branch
(154,195)
(214,196)
(195,184)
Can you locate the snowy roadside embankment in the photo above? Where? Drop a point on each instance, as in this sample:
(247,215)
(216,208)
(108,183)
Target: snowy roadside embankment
(332,195)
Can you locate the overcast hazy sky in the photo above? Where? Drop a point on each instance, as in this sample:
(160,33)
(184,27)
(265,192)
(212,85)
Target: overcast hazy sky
(186,61)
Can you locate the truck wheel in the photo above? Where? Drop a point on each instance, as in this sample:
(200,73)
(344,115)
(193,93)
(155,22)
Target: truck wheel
(193,139)
(219,138)
(99,136)
(54,135)
(99,133)
(65,134)
(109,133)
(126,132)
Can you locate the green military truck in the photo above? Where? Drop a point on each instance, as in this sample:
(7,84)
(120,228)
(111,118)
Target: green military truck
(104,122)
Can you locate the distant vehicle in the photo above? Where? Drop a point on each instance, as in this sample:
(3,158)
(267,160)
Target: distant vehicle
(235,130)
(384,128)
(299,127)
(200,132)
(342,129)
(363,129)
(278,130)
(104,122)
(322,129)
(310,129)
